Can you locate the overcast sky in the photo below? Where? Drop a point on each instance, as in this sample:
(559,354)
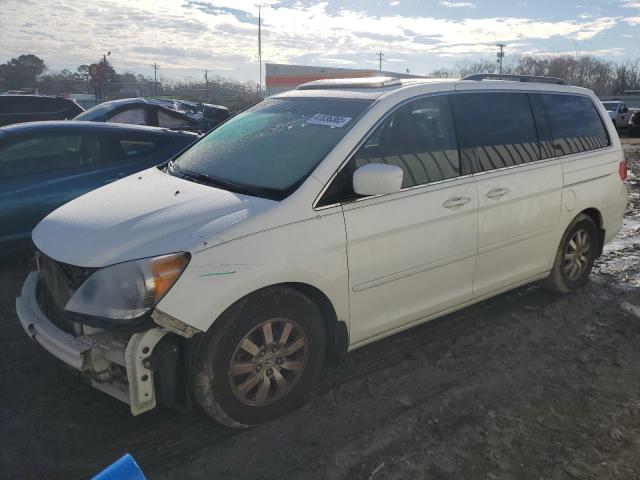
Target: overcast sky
(186,36)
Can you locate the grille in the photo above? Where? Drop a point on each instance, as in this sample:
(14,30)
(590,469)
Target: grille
(58,282)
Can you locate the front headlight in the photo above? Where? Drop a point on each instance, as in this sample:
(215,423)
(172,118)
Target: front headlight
(130,289)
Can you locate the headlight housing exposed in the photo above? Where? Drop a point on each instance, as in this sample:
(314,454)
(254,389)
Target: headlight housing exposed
(128,290)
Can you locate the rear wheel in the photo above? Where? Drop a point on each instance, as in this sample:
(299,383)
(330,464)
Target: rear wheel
(262,359)
(575,257)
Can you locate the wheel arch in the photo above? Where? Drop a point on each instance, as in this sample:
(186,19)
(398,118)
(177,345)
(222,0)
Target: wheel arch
(596,216)
(336,330)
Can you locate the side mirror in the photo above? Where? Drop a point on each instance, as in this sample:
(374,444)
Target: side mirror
(625,110)
(377,179)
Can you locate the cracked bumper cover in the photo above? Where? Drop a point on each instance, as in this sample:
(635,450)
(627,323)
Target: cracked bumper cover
(90,353)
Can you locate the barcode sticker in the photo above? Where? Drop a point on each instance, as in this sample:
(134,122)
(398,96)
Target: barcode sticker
(333,121)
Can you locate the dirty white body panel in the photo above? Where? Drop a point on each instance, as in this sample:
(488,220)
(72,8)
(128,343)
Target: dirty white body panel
(385,263)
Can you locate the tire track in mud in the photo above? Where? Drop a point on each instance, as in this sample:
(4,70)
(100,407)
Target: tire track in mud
(431,340)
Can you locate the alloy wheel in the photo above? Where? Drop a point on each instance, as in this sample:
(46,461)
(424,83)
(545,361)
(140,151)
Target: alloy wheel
(576,255)
(268,362)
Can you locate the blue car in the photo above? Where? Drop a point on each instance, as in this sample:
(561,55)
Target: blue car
(46,164)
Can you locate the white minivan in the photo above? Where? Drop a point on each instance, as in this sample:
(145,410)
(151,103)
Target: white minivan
(316,222)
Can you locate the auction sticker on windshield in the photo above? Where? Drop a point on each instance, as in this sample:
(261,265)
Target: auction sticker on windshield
(334,121)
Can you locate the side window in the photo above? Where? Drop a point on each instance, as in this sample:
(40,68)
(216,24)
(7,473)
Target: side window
(138,148)
(48,153)
(135,116)
(545,138)
(418,137)
(575,124)
(496,130)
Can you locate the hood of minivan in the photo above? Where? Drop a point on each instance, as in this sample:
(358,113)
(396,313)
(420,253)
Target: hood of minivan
(149,213)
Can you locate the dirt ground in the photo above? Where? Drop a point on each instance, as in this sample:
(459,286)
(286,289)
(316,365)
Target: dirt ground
(527,385)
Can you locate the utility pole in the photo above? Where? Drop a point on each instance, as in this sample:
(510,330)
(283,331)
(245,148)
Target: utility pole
(104,94)
(206,81)
(155,67)
(380,55)
(260,48)
(500,54)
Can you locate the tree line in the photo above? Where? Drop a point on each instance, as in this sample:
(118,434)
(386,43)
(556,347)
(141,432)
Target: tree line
(604,77)
(28,72)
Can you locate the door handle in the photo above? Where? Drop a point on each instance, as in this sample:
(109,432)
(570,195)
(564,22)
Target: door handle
(456,202)
(497,192)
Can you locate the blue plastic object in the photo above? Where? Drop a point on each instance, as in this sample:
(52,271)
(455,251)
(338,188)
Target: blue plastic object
(125,468)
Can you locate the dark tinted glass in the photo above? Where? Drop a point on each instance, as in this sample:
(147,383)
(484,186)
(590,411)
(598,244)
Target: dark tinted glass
(496,130)
(575,123)
(419,138)
(137,148)
(48,153)
(9,104)
(542,124)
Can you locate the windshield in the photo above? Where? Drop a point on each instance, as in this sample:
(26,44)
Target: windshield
(272,147)
(611,106)
(97,113)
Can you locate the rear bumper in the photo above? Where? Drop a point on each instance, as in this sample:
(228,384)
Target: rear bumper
(112,362)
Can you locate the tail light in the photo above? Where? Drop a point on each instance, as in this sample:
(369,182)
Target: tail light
(623,170)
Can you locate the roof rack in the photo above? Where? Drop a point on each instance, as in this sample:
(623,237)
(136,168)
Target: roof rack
(364,82)
(516,78)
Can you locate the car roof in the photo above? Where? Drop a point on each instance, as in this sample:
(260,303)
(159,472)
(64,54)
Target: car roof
(125,101)
(58,125)
(373,88)
(30,95)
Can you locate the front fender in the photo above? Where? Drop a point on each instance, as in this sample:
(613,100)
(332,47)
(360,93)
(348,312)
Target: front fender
(311,252)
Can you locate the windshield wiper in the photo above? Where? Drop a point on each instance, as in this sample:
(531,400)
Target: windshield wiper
(215,182)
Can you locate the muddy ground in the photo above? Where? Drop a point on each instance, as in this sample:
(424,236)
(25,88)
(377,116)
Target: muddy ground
(527,385)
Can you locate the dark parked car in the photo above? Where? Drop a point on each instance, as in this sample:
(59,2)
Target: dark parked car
(32,108)
(634,125)
(174,114)
(46,164)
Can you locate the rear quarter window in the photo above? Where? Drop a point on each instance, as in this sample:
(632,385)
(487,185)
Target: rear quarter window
(576,125)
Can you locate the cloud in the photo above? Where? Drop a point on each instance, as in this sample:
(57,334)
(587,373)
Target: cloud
(191,35)
(455,4)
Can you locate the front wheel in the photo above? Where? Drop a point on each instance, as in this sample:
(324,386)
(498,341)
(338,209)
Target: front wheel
(575,256)
(262,360)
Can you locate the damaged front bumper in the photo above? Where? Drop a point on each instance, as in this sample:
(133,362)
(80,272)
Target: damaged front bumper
(119,364)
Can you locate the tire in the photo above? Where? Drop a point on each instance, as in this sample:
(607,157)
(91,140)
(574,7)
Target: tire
(582,233)
(239,348)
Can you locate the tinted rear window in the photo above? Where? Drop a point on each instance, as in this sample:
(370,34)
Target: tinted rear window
(496,130)
(575,124)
